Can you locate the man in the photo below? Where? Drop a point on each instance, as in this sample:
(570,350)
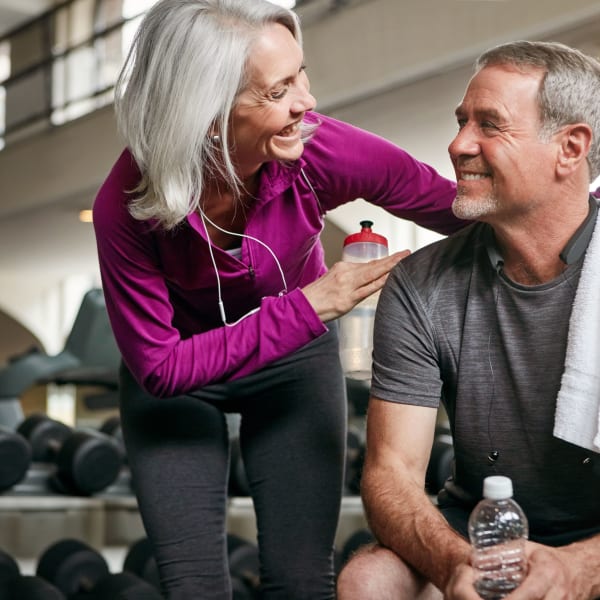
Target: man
(480,321)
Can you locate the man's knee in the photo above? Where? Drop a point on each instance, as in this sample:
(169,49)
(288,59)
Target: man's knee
(377,573)
(373,572)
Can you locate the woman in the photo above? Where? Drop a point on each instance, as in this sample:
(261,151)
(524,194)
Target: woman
(208,236)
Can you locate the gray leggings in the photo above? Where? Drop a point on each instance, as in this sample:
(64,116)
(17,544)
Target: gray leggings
(292,436)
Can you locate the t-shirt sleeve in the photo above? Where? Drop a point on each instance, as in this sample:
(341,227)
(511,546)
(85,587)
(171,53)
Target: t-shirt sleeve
(405,359)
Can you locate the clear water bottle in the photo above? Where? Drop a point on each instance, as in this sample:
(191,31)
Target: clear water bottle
(356,326)
(498,529)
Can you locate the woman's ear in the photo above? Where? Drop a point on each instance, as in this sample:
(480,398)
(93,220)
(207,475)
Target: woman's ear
(573,147)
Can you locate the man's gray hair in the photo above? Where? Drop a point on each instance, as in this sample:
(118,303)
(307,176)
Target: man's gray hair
(570,89)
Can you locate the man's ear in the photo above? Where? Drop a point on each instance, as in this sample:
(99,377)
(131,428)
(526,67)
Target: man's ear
(573,146)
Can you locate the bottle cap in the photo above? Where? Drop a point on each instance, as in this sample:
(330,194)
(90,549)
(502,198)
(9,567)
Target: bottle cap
(366,235)
(497,487)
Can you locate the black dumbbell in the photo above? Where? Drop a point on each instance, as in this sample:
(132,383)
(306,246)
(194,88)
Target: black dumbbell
(140,561)
(14,586)
(30,587)
(357,392)
(82,573)
(242,556)
(112,427)
(238,482)
(356,540)
(122,586)
(86,461)
(355,458)
(244,567)
(441,461)
(15,458)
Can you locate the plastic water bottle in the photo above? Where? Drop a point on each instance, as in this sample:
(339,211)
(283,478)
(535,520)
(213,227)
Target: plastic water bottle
(498,529)
(356,327)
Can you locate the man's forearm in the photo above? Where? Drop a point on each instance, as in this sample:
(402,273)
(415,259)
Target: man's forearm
(404,520)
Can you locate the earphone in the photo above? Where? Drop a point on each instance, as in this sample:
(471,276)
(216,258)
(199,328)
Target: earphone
(214,263)
(204,219)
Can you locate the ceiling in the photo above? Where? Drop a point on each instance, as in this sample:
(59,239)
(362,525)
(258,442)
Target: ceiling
(15,12)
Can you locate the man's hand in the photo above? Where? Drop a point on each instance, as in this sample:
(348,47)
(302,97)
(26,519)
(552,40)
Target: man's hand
(553,574)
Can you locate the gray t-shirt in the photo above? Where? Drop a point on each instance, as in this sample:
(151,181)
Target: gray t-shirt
(450,327)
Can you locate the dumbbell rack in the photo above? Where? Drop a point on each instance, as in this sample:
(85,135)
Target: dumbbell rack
(29,524)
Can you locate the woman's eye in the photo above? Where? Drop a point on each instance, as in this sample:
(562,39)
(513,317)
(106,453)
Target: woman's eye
(278,94)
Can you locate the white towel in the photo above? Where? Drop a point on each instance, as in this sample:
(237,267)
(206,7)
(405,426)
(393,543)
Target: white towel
(577,416)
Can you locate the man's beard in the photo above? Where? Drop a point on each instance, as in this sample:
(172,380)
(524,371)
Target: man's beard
(473,208)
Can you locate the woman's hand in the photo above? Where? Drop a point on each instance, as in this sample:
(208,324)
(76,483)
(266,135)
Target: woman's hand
(347,283)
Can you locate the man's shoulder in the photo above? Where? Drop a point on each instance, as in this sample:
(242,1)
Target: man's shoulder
(448,259)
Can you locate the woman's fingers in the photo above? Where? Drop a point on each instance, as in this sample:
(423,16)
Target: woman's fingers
(346,284)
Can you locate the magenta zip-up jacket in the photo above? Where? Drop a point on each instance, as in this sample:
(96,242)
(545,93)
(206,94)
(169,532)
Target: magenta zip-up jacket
(160,286)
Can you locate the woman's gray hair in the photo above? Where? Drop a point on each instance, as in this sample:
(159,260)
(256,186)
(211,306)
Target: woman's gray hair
(570,89)
(175,94)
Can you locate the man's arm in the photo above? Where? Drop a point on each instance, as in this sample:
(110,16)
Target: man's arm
(399,512)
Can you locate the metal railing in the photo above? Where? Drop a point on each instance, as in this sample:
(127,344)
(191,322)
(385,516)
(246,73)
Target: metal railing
(64,63)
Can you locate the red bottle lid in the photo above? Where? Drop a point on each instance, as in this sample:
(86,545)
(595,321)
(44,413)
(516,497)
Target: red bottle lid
(366,235)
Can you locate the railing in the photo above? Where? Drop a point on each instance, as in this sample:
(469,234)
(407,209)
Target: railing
(64,63)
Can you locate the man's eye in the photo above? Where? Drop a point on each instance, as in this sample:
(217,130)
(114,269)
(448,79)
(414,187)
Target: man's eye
(488,125)
(461,123)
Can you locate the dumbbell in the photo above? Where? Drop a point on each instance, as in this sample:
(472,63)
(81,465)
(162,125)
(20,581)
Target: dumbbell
(29,587)
(140,561)
(238,482)
(356,540)
(355,458)
(86,461)
(441,461)
(357,392)
(112,428)
(82,573)
(14,586)
(15,458)
(244,567)
(123,485)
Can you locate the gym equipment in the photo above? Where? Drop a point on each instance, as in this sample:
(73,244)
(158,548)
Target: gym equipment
(82,573)
(357,539)
(15,458)
(72,566)
(112,427)
(358,392)
(29,587)
(441,461)
(122,586)
(355,458)
(9,569)
(140,561)
(238,482)
(86,461)
(244,567)
(90,356)
(14,586)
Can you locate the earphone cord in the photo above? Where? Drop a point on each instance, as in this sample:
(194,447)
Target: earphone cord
(214,263)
